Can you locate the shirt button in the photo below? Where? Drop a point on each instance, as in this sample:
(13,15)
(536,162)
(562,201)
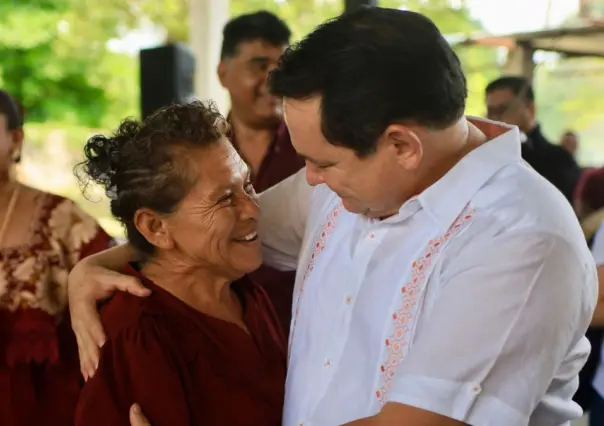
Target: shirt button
(348,300)
(328,363)
(476,389)
(372,236)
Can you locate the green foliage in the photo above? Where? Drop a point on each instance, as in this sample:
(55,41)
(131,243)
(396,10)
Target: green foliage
(56,62)
(569,97)
(54,56)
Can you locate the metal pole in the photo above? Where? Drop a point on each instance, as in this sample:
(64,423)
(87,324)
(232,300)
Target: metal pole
(354,4)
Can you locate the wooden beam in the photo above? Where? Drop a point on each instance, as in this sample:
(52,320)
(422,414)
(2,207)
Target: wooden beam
(520,61)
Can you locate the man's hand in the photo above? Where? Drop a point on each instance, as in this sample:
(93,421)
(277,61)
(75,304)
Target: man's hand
(400,414)
(90,281)
(137,418)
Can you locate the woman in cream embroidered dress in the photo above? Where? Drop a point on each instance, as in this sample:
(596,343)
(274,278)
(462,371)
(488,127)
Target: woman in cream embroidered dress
(41,237)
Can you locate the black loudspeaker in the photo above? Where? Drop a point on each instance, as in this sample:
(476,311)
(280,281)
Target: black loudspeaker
(167,75)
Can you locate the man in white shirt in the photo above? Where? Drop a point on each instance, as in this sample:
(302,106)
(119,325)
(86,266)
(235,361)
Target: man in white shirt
(441,281)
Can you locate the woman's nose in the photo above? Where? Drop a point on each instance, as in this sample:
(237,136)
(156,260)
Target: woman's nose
(248,207)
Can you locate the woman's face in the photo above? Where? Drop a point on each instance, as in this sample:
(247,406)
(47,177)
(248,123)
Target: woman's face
(10,143)
(216,225)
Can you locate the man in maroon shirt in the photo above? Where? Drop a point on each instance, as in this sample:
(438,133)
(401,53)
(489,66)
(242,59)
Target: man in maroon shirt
(252,45)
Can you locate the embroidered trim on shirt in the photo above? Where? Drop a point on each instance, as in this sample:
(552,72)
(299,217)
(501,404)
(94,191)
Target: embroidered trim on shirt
(397,344)
(320,242)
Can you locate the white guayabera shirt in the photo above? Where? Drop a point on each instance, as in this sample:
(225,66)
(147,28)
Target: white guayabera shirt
(471,302)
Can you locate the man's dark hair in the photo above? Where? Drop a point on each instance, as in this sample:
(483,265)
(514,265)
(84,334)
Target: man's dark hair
(145,165)
(11,109)
(519,86)
(260,25)
(374,67)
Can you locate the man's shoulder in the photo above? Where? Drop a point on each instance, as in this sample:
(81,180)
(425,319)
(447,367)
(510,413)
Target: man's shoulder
(518,199)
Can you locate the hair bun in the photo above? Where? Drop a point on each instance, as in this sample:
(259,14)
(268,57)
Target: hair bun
(102,157)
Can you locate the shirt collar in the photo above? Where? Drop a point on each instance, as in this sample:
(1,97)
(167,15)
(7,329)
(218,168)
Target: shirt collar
(445,200)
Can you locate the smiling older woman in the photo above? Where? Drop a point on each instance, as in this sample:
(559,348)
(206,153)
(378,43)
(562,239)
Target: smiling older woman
(204,347)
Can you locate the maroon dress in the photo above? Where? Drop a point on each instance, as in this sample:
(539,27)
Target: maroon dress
(40,377)
(186,368)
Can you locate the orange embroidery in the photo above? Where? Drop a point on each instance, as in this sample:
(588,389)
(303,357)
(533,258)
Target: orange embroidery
(320,241)
(398,343)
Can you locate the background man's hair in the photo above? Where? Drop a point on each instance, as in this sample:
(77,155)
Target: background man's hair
(519,86)
(260,25)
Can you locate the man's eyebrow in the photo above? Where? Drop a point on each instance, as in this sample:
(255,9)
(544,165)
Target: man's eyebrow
(312,160)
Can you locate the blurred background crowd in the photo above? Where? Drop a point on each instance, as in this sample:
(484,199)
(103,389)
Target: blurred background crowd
(74,65)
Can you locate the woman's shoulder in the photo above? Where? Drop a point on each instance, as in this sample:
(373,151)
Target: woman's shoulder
(61,214)
(154,315)
(122,314)
(48,199)
(125,312)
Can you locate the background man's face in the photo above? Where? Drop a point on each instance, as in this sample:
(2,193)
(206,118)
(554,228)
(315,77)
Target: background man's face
(245,77)
(570,142)
(10,144)
(504,105)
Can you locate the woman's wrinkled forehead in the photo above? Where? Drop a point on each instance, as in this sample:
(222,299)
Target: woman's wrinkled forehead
(219,167)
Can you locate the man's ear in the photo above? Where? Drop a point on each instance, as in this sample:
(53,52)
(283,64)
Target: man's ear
(222,72)
(405,144)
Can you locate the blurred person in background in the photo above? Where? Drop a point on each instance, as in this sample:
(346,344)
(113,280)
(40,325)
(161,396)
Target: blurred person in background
(589,206)
(596,408)
(589,200)
(41,237)
(570,142)
(251,48)
(512,101)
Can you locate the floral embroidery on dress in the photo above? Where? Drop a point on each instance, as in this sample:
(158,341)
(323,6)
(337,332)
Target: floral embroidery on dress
(3,279)
(68,223)
(34,275)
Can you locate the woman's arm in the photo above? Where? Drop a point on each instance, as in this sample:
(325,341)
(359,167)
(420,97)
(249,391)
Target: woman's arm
(92,280)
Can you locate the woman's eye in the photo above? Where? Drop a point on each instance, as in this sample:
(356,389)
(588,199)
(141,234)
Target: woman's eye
(227,199)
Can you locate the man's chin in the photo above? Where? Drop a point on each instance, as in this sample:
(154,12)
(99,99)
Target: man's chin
(353,207)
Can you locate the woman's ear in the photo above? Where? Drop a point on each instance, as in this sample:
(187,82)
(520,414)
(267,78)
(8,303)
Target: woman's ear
(154,228)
